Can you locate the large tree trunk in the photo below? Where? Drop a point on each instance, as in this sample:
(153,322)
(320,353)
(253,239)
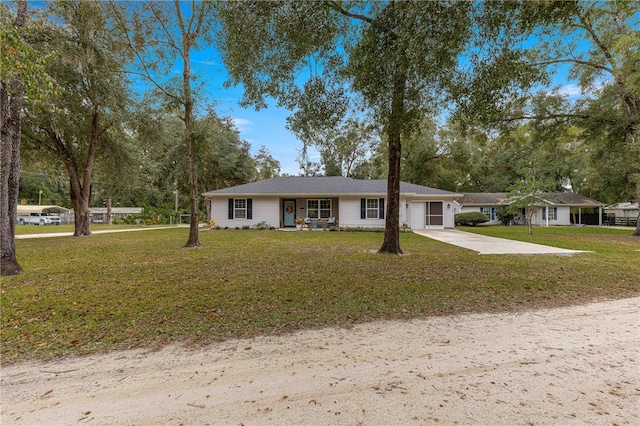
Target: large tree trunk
(11,94)
(108,218)
(636,233)
(190,139)
(80,205)
(79,202)
(194,240)
(391,243)
(80,191)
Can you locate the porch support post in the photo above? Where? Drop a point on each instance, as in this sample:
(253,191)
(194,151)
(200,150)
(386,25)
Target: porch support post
(579,215)
(547,207)
(600,215)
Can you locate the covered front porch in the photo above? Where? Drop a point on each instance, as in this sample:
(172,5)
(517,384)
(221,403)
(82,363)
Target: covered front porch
(313,213)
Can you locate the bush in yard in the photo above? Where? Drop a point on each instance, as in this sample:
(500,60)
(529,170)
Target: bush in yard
(470,219)
(505,214)
(261,225)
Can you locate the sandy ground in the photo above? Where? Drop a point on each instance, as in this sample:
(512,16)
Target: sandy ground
(575,365)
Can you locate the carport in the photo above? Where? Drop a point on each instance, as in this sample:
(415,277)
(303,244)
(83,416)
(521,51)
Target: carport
(64,213)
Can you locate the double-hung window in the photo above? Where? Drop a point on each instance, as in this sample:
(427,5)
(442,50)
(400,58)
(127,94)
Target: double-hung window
(319,209)
(372,208)
(240,208)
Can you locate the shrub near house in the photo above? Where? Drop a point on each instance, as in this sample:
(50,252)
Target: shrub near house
(470,219)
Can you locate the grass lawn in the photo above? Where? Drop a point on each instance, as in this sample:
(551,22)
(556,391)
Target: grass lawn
(50,229)
(142,289)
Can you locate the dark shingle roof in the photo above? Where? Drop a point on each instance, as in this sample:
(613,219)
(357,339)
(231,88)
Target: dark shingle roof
(570,199)
(325,186)
(500,198)
(482,199)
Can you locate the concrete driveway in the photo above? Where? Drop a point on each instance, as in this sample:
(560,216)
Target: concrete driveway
(491,245)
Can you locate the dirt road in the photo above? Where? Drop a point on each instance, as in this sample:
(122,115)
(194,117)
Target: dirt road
(575,365)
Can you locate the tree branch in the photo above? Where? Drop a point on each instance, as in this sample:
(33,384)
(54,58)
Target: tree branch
(166,30)
(574,61)
(588,27)
(335,6)
(552,117)
(147,73)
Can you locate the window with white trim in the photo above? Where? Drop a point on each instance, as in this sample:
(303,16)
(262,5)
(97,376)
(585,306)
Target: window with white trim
(319,209)
(373,208)
(240,208)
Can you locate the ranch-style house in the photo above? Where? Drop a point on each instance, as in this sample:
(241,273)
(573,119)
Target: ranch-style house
(328,201)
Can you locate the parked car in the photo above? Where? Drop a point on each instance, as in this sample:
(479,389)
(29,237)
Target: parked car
(39,219)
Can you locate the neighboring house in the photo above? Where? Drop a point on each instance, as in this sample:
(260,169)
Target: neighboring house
(562,208)
(484,202)
(99,214)
(624,210)
(622,214)
(326,200)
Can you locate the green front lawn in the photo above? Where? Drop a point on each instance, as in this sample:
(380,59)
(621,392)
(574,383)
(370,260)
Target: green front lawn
(50,229)
(570,237)
(142,289)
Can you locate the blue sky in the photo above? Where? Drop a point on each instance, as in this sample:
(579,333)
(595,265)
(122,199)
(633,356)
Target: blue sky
(268,126)
(264,127)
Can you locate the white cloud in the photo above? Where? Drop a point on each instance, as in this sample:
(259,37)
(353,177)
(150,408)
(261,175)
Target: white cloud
(206,62)
(570,90)
(242,123)
(574,91)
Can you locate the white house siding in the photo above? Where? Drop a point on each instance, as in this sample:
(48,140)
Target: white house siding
(263,209)
(563,216)
(346,209)
(417,215)
(449,214)
(350,214)
(405,212)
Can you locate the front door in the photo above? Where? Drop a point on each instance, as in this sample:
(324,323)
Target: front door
(435,215)
(289,209)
